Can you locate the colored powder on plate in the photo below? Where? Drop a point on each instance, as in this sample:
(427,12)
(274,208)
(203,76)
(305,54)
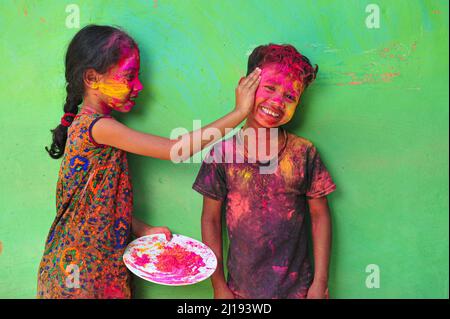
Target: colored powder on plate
(140,261)
(177,259)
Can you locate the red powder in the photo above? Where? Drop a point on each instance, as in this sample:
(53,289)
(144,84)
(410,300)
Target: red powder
(179,260)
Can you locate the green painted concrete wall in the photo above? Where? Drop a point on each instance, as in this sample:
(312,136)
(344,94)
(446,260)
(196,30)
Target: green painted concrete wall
(378,113)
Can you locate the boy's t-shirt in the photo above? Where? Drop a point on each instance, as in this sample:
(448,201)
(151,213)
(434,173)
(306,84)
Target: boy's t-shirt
(265,217)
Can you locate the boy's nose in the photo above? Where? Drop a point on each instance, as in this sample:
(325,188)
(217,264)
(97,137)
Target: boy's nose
(277,101)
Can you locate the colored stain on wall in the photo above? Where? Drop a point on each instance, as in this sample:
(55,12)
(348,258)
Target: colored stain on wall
(377,112)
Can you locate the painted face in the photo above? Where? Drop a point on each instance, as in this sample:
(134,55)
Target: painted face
(120,85)
(276,99)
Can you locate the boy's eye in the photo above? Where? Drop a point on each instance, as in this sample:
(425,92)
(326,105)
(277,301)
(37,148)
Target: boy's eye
(270,88)
(290,97)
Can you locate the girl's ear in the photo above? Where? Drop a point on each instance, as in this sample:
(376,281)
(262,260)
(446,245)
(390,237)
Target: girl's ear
(91,78)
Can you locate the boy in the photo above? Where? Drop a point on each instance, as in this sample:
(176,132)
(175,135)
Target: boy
(268,254)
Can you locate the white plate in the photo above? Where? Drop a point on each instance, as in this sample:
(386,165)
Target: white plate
(180,261)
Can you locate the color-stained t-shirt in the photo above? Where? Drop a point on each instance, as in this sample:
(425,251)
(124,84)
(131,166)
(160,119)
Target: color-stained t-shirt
(265,217)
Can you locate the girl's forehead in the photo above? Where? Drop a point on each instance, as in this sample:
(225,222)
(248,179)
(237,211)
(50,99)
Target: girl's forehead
(129,59)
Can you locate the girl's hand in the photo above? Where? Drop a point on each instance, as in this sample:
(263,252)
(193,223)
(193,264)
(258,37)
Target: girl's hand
(245,92)
(151,230)
(317,291)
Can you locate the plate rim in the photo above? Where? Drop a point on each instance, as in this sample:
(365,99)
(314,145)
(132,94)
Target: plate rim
(167,284)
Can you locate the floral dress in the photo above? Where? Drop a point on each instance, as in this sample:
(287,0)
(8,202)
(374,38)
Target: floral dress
(84,248)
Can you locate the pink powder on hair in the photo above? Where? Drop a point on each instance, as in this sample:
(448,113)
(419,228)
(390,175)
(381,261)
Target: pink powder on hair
(290,61)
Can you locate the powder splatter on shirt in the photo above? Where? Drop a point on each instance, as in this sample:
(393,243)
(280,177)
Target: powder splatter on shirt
(265,213)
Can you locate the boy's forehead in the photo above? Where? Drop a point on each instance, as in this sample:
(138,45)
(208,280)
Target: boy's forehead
(281,75)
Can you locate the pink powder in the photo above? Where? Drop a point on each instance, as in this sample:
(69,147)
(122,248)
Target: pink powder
(180,261)
(140,261)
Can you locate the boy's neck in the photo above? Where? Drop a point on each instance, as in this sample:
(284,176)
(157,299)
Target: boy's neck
(271,140)
(265,130)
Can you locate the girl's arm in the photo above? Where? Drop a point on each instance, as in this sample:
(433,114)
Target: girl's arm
(110,132)
(212,236)
(139,229)
(321,235)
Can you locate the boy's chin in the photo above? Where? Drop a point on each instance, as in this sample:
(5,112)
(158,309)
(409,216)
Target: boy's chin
(266,124)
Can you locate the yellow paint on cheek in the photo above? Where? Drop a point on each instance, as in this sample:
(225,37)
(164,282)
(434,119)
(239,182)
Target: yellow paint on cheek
(115,90)
(291,107)
(290,112)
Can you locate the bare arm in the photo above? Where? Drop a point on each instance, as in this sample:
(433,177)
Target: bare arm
(321,235)
(212,237)
(110,132)
(139,229)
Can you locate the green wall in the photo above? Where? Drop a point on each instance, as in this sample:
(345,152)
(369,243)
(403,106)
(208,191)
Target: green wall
(378,113)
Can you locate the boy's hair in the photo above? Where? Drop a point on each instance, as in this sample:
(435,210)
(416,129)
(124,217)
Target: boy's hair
(285,55)
(93,47)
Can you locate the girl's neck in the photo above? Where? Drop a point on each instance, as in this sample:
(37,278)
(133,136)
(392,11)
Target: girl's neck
(94,107)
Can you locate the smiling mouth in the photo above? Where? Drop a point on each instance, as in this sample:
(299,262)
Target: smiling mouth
(270,112)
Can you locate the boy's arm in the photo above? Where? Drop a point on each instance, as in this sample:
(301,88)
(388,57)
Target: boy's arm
(321,235)
(212,236)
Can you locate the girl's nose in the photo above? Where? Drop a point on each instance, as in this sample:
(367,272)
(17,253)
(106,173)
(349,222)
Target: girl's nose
(138,86)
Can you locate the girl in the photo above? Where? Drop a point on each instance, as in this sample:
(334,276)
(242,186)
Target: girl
(84,248)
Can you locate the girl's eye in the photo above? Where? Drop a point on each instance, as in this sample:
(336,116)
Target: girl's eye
(270,88)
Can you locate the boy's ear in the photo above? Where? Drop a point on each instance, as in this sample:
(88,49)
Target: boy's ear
(91,78)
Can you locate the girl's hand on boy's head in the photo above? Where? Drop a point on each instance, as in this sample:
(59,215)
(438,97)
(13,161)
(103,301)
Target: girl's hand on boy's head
(245,92)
